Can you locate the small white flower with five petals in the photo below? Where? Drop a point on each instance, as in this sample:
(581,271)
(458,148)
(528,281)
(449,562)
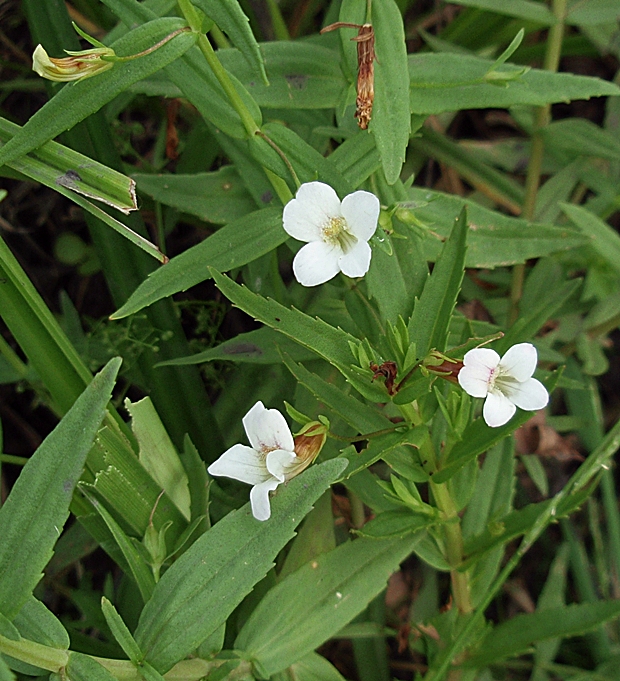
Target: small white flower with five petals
(268,462)
(506,383)
(336,232)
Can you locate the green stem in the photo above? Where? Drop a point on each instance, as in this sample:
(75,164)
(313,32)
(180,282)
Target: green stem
(454,547)
(280,30)
(542,119)
(358,515)
(17,460)
(193,19)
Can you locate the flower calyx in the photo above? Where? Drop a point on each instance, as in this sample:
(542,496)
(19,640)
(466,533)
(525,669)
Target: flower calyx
(77,65)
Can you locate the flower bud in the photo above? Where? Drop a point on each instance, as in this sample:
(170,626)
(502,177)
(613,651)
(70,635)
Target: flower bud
(309,441)
(78,65)
(443,366)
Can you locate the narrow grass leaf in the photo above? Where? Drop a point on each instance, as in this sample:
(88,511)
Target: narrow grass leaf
(35,512)
(64,168)
(231,19)
(201,589)
(36,623)
(234,245)
(78,100)
(314,603)
(519,9)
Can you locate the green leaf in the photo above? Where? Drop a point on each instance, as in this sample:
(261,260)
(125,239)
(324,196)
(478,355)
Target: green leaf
(5,673)
(593,13)
(605,239)
(120,631)
(35,512)
(200,590)
(312,667)
(78,100)
(357,158)
(430,321)
(217,197)
(74,171)
(36,623)
(314,603)
(451,82)
(230,18)
(325,340)
(85,668)
(391,117)
(494,240)
(519,9)
(194,78)
(157,453)
(581,137)
(302,75)
(532,319)
(358,415)
(261,346)
(517,634)
(231,246)
(139,569)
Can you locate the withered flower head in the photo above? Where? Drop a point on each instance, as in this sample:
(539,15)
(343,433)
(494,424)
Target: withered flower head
(74,67)
(310,440)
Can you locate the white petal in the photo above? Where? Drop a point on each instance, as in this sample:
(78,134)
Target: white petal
(361,211)
(279,463)
(259,499)
(498,409)
(267,429)
(316,263)
(481,358)
(519,361)
(472,383)
(530,395)
(356,261)
(314,204)
(241,463)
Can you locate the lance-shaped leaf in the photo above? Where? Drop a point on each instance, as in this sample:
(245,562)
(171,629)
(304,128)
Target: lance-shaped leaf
(36,510)
(78,100)
(236,244)
(229,16)
(428,326)
(451,82)
(200,590)
(314,603)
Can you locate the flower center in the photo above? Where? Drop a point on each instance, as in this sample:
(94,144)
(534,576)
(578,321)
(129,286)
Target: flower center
(499,380)
(336,232)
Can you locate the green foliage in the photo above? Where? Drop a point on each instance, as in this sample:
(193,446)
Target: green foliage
(502,240)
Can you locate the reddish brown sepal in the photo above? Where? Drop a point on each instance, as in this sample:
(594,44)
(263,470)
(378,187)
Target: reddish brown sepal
(388,370)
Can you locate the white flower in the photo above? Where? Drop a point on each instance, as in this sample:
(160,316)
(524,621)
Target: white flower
(337,232)
(269,461)
(506,383)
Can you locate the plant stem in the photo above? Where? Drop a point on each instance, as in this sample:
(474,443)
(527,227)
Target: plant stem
(454,547)
(542,119)
(280,30)
(36,654)
(193,19)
